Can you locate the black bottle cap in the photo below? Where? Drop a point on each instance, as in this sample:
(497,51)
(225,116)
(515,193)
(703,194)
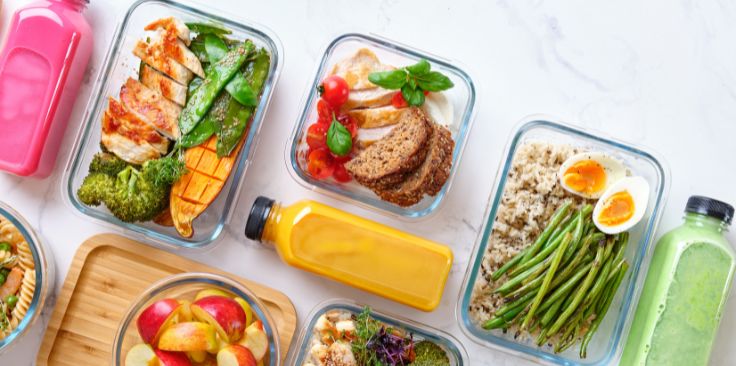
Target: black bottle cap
(257,218)
(710,207)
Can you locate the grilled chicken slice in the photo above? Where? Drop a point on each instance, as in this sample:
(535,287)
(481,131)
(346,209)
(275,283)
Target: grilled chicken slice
(355,69)
(369,98)
(131,139)
(176,49)
(155,55)
(159,82)
(173,25)
(368,136)
(376,117)
(151,107)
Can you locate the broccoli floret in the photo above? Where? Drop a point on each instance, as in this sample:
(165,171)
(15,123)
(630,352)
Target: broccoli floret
(107,163)
(95,188)
(430,354)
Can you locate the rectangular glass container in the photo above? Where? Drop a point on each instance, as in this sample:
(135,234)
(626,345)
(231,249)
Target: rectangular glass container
(462,96)
(606,345)
(119,64)
(301,347)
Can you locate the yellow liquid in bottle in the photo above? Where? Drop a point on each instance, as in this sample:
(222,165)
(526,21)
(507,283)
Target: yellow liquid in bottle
(361,253)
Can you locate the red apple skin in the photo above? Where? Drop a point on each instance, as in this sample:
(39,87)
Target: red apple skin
(151,321)
(189,336)
(242,355)
(255,340)
(167,358)
(228,314)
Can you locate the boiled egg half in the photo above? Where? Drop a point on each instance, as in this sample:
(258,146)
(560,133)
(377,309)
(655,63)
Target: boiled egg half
(622,205)
(590,174)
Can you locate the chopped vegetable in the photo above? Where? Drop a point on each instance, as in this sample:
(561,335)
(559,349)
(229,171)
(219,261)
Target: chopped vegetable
(430,354)
(107,163)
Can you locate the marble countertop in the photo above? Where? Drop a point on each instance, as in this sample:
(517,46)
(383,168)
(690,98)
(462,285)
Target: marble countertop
(661,74)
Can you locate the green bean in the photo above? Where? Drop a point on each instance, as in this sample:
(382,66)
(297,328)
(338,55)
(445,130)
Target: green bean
(542,337)
(510,284)
(549,315)
(570,223)
(514,261)
(547,279)
(542,255)
(581,291)
(582,252)
(599,284)
(551,226)
(561,291)
(517,302)
(602,313)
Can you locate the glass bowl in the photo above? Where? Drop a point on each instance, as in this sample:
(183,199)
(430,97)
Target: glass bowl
(119,64)
(606,344)
(43,262)
(451,346)
(462,96)
(185,286)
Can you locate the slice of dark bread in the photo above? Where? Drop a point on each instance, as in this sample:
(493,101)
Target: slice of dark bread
(389,160)
(421,181)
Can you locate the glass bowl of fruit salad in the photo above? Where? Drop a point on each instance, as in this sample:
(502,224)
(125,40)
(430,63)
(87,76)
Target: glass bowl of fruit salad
(194,319)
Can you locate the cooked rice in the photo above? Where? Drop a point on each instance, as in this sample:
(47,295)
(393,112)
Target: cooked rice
(530,197)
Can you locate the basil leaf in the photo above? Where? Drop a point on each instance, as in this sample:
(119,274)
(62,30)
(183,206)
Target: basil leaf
(434,81)
(420,68)
(413,97)
(339,139)
(391,80)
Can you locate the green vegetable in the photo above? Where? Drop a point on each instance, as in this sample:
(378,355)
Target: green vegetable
(220,74)
(4,272)
(339,139)
(208,28)
(413,81)
(209,124)
(11,301)
(5,246)
(365,329)
(95,188)
(430,354)
(240,89)
(556,219)
(547,280)
(107,163)
(215,47)
(3,277)
(197,47)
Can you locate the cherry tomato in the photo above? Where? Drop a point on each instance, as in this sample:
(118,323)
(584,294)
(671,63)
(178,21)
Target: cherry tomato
(398,101)
(334,90)
(341,174)
(320,163)
(324,112)
(342,159)
(317,135)
(349,123)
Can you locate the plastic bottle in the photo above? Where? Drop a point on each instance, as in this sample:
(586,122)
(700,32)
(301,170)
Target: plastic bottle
(687,285)
(353,250)
(41,66)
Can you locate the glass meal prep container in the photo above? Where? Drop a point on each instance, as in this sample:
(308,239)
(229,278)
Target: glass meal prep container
(185,286)
(462,98)
(119,64)
(607,343)
(299,352)
(43,264)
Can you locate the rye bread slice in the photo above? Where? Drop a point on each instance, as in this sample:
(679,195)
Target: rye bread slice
(387,161)
(421,181)
(442,173)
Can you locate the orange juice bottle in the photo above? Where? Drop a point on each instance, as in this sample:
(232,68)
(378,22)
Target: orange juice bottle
(353,250)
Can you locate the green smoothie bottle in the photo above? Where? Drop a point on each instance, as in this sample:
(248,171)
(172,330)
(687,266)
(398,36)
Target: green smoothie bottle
(685,291)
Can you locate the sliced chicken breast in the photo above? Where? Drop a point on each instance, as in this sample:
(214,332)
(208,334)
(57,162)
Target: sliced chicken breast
(176,49)
(159,82)
(155,55)
(370,98)
(376,117)
(174,25)
(131,139)
(356,68)
(368,136)
(151,107)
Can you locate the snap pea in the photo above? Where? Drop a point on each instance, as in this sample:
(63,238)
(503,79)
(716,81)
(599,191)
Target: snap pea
(220,74)
(215,47)
(208,28)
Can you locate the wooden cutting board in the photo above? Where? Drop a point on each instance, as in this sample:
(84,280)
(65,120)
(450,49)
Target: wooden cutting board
(107,273)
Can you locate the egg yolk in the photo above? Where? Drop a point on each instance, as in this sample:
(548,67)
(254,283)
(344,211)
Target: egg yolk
(585,176)
(617,209)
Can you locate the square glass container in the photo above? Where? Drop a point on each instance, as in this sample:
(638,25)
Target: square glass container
(185,286)
(43,263)
(607,343)
(119,64)
(300,349)
(462,97)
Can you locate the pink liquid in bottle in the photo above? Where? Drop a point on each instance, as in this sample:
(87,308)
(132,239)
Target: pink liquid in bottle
(41,66)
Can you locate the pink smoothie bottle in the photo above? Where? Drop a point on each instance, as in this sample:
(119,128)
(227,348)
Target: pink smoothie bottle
(42,64)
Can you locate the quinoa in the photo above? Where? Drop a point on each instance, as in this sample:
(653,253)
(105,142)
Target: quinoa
(531,196)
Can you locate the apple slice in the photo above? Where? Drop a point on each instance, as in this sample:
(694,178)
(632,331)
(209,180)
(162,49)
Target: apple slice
(187,337)
(155,318)
(223,313)
(235,355)
(185,311)
(210,292)
(197,356)
(256,340)
(141,355)
(167,358)
(247,309)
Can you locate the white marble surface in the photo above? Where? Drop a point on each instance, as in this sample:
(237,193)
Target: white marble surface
(658,73)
